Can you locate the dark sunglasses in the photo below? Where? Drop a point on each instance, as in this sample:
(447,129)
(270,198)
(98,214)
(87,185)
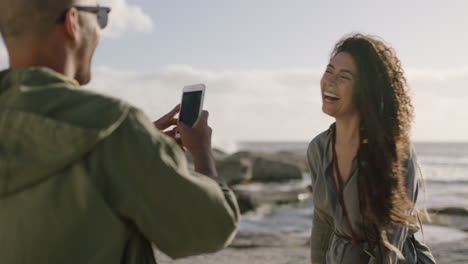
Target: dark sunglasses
(101,12)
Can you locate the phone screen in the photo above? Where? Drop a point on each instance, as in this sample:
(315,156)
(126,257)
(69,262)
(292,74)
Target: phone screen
(190,107)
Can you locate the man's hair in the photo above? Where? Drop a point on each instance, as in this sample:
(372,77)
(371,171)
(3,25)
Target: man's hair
(30,18)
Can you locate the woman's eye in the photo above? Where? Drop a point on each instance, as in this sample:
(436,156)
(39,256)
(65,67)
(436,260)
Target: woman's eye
(345,77)
(327,71)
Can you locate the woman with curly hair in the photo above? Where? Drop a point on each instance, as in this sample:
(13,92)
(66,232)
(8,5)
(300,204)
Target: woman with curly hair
(363,168)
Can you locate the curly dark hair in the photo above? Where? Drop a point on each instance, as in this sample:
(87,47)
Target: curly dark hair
(386,112)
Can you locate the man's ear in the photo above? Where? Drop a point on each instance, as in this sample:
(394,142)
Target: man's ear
(72,25)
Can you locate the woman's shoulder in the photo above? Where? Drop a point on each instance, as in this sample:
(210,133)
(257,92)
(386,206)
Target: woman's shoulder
(319,143)
(413,176)
(411,152)
(317,149)
(411,156)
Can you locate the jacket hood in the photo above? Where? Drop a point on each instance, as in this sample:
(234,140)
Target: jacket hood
(46,124)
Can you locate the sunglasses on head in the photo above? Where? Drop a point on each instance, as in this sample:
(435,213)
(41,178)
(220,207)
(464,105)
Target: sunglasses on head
(101,12)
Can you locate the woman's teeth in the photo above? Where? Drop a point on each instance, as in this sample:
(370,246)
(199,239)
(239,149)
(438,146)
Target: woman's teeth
(331,96)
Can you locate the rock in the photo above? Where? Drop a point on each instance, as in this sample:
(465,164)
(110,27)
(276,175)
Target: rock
(219,155)
(243,167)
(246,202)
(235,170)
(254,239)
(449,211)
(266,169)
(270,194)
(251,196)
(282,156)
(455,217)
(293,158)
(434,219)
(453,252)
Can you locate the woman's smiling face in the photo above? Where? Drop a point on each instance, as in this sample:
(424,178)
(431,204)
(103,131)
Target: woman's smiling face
(337,86)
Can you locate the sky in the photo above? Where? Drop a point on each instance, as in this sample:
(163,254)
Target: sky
(262,60)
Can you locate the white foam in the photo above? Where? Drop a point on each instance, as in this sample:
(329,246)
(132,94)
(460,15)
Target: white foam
(439,234)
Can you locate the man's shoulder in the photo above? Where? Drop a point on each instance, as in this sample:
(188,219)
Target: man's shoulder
(87,99)
(64,102)
(84,107)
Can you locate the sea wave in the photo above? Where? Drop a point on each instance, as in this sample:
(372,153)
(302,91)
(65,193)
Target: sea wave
(444,161)
(444,174)
(446,182)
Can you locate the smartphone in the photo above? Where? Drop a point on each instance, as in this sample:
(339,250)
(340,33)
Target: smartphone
(192,103)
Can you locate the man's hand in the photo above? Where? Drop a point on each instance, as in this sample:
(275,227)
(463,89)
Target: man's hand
(168,121)
(197,140)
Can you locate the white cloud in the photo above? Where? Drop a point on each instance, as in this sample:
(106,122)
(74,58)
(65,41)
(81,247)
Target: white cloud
(437,75)
(125,17)
(282,104)
(243,105)
(440,100)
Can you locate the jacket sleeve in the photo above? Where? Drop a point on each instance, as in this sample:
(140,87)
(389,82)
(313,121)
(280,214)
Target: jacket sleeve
(321,228)
(147,182)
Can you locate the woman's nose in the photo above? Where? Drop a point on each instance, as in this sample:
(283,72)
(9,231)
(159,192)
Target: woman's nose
(332,79)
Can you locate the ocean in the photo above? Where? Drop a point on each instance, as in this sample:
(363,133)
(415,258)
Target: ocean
(444,168)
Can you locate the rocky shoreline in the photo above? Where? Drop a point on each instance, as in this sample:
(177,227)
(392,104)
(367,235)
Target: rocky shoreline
(280,248)
(259,178)
(244,170)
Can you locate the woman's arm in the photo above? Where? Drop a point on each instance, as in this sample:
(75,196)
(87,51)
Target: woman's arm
(321,229)
(320,237)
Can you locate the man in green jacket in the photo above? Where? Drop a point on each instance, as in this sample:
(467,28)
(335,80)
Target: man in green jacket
(85,178)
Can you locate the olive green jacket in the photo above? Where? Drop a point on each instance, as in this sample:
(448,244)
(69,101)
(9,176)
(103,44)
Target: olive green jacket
(85,178)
